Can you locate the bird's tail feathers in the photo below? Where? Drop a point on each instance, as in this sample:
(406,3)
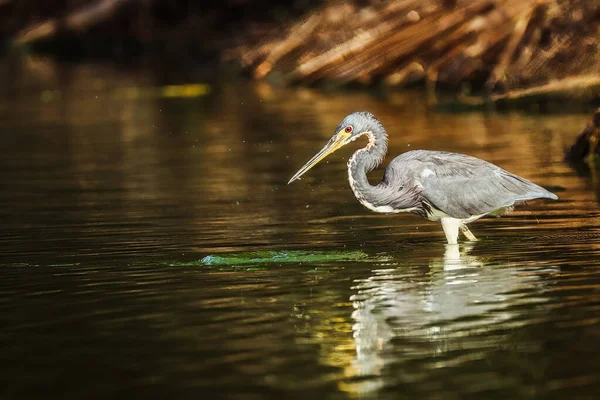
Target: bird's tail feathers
(530,190)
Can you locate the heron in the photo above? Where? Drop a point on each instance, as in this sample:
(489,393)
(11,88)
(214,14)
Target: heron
(454,189)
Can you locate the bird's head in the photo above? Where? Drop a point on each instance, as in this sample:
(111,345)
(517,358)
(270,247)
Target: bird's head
(351,128)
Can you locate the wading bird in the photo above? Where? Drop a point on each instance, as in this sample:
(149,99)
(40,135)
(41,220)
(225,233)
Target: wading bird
(452,188)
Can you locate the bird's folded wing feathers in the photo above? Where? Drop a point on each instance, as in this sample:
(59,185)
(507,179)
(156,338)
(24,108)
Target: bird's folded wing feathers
(462,186)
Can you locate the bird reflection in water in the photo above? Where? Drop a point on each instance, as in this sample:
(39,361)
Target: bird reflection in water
(416,317)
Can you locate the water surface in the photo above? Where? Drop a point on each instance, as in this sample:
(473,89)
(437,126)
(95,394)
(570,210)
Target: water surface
(151,247)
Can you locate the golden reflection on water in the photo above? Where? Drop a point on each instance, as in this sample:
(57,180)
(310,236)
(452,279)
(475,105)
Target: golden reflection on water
(223,136)
(239,145)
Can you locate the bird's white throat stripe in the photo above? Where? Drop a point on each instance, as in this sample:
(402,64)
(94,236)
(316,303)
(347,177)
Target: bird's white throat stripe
(358,195)
(370,206)
(371,139)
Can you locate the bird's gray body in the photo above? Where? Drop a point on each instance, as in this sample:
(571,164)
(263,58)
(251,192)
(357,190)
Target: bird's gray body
(456,185)
(453,188)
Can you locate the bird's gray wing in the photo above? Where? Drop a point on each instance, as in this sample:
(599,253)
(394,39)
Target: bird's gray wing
(463,186)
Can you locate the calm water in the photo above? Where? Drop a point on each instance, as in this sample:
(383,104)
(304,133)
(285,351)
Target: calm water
(151,247)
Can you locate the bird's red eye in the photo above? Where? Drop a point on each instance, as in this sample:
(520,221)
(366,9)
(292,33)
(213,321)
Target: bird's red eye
(348,129)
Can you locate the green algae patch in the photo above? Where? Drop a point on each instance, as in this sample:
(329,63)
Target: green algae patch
(261,260)
(280,257)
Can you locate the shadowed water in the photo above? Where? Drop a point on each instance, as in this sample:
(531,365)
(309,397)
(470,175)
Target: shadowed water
(150,247)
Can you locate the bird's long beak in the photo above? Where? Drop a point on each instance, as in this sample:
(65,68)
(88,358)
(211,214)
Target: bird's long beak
(337,141)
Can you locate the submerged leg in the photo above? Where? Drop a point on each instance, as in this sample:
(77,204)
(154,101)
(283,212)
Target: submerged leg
(450,226)
(468,234)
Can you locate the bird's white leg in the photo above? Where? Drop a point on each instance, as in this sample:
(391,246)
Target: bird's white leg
(450,226)
(468,234)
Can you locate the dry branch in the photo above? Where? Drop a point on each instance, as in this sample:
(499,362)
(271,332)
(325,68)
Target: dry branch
(471,40)
(531,17)
(79,19)
(575,86)
(583,87)
(503,44)
(297,35)
(370,54)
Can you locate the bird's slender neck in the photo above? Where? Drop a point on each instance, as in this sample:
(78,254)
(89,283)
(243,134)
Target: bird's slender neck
(365,160)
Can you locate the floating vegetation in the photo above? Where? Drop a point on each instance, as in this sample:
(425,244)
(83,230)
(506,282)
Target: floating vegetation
(281,257)
(262,259)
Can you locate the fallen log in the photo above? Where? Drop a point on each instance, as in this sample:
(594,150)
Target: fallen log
(584,87)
